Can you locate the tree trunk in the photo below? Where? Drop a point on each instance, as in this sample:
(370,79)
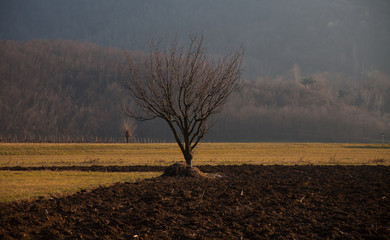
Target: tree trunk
(188,158)
(187,143)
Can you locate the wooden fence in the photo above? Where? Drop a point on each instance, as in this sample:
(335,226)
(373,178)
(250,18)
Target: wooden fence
(77,139)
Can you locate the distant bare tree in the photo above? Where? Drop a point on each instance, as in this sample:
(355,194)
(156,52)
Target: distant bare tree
(129,127)
(183,87)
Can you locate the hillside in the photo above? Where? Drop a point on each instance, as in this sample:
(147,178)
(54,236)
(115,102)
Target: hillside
(59,88)
(69,89)
(348,36)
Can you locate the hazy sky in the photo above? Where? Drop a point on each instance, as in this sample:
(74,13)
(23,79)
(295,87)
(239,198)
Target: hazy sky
(349,36)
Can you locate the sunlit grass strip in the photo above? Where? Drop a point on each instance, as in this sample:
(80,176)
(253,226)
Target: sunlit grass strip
(38,154)
(15,185)
(41,154)
(79,148)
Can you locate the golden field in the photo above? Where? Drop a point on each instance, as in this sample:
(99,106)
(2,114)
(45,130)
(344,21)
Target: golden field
(40,154)
(18,185)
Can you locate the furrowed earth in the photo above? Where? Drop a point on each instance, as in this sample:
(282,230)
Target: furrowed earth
(234,202)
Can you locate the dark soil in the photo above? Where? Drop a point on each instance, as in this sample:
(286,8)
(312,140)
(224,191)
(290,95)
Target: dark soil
(239,202)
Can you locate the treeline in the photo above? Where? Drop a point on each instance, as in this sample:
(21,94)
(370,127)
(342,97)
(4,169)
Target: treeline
(71,91)
(59,88)
(322,107)
(339,36)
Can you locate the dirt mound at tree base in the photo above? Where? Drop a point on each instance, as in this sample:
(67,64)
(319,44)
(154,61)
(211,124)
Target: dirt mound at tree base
(249,202)
(182,170)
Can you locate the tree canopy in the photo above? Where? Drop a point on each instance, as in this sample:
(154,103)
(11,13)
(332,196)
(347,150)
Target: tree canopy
(183,87)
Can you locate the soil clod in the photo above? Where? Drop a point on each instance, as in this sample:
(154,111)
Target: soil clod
(182,170)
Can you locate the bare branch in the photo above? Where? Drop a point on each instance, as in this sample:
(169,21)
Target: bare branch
(183,87)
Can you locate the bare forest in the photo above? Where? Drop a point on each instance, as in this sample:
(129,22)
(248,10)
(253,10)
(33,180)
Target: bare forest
(312,70)
(70,90)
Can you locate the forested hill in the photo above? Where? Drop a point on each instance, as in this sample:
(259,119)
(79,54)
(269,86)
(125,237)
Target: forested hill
(67,88)
(348,36)
(59,88)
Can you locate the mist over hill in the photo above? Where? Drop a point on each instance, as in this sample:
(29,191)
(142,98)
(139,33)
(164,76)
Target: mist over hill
(313,70)
(347,36)
(69,90)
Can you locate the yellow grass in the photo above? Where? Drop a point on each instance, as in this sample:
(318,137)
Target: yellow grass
(18,185)
(30,154)
(29,185)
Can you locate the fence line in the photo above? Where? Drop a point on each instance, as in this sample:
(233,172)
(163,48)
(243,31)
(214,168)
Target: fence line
(78,139)
(95,139)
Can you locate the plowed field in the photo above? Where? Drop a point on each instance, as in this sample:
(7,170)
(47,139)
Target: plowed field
(237,202)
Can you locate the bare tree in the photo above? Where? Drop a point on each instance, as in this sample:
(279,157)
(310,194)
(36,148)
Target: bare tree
(183,87)
(129,127)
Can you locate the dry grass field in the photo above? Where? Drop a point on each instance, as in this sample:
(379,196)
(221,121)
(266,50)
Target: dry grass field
(18,185)
(31,184)
(30,154)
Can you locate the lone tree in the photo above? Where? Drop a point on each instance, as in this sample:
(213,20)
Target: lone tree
(129,127)
(183,87)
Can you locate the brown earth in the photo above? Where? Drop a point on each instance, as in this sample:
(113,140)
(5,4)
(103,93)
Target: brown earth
(238,202)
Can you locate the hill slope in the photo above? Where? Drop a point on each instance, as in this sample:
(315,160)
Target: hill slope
(346,36)
(70,89)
